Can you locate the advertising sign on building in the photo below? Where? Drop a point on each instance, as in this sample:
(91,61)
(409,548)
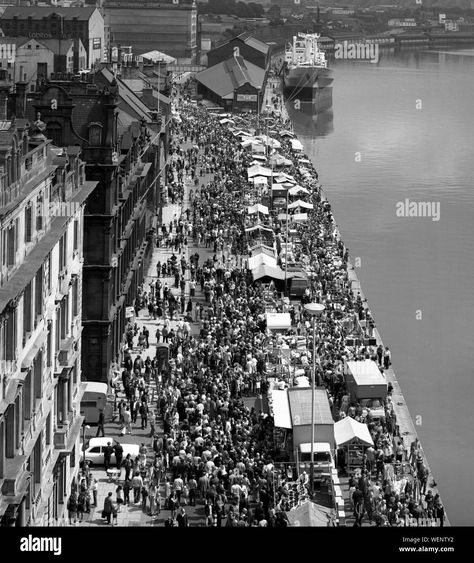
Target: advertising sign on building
(246,97)
(96,43)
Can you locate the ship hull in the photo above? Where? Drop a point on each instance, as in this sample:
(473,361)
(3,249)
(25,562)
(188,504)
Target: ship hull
(309,84)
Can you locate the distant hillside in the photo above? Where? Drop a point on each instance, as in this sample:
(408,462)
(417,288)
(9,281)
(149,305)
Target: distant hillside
(462,4)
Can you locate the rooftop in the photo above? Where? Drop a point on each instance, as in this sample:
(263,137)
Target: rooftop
(39,12)
(300,406)
(229,75)
(250,41)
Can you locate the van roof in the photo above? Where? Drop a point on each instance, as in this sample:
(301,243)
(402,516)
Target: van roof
(319,447)
(95,387)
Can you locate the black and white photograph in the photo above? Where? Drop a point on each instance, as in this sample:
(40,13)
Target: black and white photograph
(236,257)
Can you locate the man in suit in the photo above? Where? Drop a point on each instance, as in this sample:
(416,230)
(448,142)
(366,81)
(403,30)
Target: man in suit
(108,507)
(144,415)
(108,451)
(118,455)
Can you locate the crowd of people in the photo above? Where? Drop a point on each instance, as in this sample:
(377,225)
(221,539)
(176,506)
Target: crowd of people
(214,450)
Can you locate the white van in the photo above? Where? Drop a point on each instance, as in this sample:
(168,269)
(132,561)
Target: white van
(323,459)
(93,401)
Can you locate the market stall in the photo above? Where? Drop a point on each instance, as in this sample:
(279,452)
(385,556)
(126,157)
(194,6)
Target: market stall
(354,437)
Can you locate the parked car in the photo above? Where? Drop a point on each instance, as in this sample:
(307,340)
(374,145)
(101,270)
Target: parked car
(94,452)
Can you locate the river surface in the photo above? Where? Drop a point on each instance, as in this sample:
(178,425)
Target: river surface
(404,129)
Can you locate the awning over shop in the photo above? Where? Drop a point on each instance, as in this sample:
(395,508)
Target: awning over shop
(257,208)
(349,430)
(278,321)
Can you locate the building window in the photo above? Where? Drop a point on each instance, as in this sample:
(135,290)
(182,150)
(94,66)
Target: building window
(27,310)
(39,293)
(95,134)
(39,213)
(76,235)
(75,298)
(11,252)
(48,430)
(28,223)
(49,343)
(10,330)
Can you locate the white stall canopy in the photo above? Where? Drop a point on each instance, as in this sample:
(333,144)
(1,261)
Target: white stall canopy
(258,170)
(262,259)
(300,203)
(257,208)
(296,145)
(295,190)
(281,409)
(349,430)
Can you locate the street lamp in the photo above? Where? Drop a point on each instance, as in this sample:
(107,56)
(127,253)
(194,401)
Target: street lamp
(314,310)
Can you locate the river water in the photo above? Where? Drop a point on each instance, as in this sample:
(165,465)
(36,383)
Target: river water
(404,129)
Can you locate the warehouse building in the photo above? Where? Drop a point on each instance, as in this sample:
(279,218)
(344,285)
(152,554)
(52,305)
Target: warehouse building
(235,84)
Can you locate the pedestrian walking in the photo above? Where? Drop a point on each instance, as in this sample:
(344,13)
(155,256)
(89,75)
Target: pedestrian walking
(100,424)
(137,484)
(108,508)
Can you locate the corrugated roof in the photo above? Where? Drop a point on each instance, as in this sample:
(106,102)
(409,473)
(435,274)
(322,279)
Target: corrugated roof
(228,75)
(38,12)
(300,406)
(250,41)
(254,42)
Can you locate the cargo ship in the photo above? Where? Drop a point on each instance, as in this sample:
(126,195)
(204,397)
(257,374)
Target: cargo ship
(306,75)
